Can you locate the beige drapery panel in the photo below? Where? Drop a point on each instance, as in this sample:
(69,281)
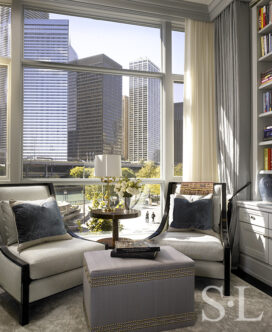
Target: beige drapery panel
(199,134)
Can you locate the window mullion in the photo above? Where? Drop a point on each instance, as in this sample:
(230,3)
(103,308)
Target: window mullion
(15,117)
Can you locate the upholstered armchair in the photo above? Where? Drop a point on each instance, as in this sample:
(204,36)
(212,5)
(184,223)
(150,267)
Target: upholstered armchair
(210,248)
(45,268)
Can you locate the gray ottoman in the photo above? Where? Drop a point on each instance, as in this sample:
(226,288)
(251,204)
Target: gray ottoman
(123,294)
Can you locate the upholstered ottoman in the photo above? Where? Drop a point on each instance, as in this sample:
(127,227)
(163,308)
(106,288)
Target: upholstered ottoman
(122,294)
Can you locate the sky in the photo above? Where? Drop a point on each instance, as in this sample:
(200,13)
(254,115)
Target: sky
(123,43)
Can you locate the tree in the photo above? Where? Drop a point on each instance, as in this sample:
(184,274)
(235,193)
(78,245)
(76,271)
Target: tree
(79,171)
(150,170)
(178,170)
(128,173)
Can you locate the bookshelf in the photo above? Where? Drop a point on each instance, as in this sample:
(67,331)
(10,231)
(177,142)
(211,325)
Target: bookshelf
(261,63)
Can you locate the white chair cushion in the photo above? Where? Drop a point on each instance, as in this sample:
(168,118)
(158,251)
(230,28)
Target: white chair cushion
(55,257)
(192,244)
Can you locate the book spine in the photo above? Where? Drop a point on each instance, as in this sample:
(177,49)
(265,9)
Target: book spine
(270,11)
(261,15)
(262,48)
(269,159)
(266,159)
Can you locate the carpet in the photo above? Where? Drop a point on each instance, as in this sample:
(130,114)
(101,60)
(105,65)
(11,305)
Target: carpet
(64,311)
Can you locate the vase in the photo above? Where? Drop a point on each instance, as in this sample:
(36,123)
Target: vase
(127,204)
(265,187)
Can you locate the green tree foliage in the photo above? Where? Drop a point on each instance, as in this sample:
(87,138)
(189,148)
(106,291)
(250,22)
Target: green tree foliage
(79,171)
(178,170)
(128,173)
(150,170)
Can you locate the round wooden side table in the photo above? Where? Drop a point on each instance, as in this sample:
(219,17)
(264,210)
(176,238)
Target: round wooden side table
(114,216)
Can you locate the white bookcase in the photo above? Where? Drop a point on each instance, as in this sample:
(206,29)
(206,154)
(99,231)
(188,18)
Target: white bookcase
(260,119)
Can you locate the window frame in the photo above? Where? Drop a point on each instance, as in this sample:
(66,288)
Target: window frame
(6,62)
(167,78)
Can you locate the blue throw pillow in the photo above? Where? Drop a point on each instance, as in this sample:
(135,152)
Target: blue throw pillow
(192,215)
(38,223)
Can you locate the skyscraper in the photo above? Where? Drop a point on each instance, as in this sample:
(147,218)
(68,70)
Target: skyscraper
(125,107)
(94,111)
(178,132)
(4,51)
(45,91)
(144,114)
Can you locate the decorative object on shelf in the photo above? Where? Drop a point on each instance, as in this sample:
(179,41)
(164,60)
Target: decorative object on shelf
(126,188)
(108,167)
(265,187)
(267,133)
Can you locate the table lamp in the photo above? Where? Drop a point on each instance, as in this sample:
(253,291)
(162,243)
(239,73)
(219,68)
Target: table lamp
(108,167)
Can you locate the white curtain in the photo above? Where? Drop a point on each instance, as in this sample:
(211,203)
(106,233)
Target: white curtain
(199,143)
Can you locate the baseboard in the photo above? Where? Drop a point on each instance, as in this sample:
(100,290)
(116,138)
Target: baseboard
(253,281)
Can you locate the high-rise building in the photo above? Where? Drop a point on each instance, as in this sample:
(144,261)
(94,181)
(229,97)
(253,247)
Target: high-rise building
(178,132)
(125,107)
(4,51)
(3,115)
(144,114)
(94,111)
(45,91)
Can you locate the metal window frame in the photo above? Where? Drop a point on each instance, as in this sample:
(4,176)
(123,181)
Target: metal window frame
(16,105)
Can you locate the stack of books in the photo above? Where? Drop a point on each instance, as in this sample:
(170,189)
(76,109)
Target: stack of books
(266,77)
(266,44)
(267,101)
(265,15)
(136,252)
(268,159)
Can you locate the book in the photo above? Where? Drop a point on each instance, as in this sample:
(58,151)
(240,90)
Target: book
(266,159)
(136,252)
(270,11)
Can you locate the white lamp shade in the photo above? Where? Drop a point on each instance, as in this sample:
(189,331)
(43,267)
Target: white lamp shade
(107,165)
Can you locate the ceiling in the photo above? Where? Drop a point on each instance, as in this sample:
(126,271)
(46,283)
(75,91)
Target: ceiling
(205,2)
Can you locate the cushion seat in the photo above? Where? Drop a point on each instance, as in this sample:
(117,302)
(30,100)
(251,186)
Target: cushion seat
(56,257)
(192,244)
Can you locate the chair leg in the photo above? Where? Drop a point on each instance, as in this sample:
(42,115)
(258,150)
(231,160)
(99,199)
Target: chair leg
(227,268)
(24,313)
(24,304)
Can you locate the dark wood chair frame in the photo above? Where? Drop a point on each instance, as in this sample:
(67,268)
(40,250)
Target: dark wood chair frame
(223,229)
(25,269)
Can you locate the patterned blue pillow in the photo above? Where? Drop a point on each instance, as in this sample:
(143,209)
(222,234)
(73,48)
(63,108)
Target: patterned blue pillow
(192,215)
(38,223)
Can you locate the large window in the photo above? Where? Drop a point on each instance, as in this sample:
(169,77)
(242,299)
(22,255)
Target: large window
(90,86)
(70,115)
(4,61)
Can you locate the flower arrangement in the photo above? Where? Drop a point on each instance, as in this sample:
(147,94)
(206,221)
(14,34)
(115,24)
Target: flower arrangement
(128,187)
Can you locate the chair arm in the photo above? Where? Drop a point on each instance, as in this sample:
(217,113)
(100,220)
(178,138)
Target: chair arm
(161,226)
(14,259)
(82,238)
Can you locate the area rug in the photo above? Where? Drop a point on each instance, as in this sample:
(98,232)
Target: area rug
(64,311)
